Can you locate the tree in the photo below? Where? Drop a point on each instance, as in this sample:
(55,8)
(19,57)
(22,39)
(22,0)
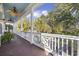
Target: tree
(63,7)
(58,28)
(19,25)
(42,26)
(67,19)
(25,25)
(72,7)
(52,21)
(61,15)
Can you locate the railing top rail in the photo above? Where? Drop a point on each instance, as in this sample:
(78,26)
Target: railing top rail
(56,35)
(32,32)
(61,36)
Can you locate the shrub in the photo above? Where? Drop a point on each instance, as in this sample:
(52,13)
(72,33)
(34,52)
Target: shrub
(6,37)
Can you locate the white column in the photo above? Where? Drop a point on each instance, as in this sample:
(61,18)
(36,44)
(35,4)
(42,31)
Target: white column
(31,25)
(3,28)
(62,46)
(67,46)
(72,47)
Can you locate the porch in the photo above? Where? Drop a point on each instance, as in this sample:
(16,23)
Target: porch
(31,41)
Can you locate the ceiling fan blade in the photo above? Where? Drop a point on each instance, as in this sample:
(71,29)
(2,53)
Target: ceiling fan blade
(15,14)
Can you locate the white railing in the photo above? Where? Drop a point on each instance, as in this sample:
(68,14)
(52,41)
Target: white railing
(63,45)
(26,36)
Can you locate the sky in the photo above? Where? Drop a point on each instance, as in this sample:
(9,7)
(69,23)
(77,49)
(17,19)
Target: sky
(46,6)
(43,10)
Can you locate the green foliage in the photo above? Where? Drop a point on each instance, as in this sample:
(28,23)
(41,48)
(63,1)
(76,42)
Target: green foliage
(58,28)
(19,25)
(69,21)
(41,26)
(62,21)
(63,7)
(6,37)
(25,25)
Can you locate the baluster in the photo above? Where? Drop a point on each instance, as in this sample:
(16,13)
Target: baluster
(72,48)
(62,47)
(55,45)
(77,47)
(52,44)
(58,46)
(67,46)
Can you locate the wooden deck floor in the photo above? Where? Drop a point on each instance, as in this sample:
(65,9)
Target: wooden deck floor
(20,47)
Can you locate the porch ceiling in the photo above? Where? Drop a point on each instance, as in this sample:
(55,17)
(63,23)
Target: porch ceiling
(19,6)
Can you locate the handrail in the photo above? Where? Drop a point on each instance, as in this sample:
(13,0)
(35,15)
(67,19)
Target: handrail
(62,36)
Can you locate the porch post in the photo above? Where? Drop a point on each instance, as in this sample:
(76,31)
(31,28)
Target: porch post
(31,25)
